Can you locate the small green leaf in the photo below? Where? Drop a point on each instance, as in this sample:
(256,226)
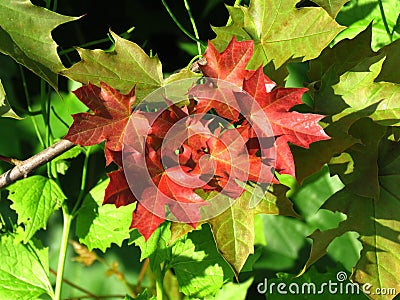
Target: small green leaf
(232,290)
(233,231)
(200,269)
(122,68)
(62,163)
(145,295)
(280,31)
(71,153)
(97,225)
(156,247)
(24,271)
(5,109)
(379,99)
(35,199)
(357,15)
(25,35)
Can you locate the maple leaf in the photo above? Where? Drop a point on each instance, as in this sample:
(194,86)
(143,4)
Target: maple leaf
(229,66)
(233,162)
(156,185)
(111,112)
(288,126)
(272,103)
(277,27)
(118,191)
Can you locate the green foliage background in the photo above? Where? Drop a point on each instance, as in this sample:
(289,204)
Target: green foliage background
(366,172)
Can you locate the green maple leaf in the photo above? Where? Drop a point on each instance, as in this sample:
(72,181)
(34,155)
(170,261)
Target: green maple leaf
(199,268)
(233,230)
(121,68)
(25,35)
(370,201)
(280,31)
(379,100)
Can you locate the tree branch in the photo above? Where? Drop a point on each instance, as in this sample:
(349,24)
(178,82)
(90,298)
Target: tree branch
(23,168)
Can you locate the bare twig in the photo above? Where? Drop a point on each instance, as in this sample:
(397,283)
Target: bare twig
(10,160)
(70,283)
(23,168)
(142,273)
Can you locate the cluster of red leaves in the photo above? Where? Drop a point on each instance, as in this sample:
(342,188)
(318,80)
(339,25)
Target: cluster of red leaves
(205,160)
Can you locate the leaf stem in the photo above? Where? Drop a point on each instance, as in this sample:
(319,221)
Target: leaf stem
(192,61)
(55,5)
(236,4)
(44,101)
(196,33)
(58,117)
(142,273)
(83,182)
(385,23)
(124,35)
(159,282)
(63,251)
(180,26)
(70,283)
(28,102)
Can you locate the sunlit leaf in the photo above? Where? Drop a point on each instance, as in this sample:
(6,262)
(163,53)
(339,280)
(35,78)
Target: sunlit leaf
(35,199)
(97,225)
(122,68)
(380,99)
(24,271)
(280,31)
(358,14)
(199,268)
(25,35)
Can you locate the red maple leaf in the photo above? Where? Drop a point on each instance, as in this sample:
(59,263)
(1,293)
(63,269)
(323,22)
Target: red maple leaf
(273,104)
(111,112)
(300,129)
(229,66)
(169,153)
(118,191)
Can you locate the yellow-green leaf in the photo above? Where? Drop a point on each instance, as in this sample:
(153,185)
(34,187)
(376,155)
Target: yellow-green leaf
(5,109)
(280,31)
(25,35)
(121,68)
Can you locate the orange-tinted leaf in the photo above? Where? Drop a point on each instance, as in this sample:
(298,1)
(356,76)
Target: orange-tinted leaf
(111,112)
